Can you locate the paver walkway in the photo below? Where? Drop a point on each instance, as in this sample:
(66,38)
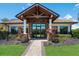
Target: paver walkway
(35,48)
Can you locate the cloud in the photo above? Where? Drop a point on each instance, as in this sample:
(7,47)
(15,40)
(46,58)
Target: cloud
(77,5)
(68,16)
(60,17)
(75,26)
(29,4)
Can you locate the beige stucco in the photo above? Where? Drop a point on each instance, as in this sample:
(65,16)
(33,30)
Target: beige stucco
(60,24)
(52,24)
(16,24)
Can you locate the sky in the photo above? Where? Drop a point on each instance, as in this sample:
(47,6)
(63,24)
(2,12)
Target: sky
(65,10)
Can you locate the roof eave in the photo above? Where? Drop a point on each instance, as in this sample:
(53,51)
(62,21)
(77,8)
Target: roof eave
(52,12)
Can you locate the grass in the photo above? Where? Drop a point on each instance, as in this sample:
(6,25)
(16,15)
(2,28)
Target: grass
(71,50)
(11,50)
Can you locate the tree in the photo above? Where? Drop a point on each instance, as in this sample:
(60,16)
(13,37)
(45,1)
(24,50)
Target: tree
(5,19)
(75,33)
(78,17)
(3,26)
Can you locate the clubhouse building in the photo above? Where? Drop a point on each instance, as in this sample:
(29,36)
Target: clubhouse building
(36,19)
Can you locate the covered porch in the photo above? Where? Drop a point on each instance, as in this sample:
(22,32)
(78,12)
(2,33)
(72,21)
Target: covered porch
(36,20)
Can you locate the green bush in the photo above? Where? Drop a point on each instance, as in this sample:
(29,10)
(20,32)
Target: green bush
(12,36)
(63,37)
(60,37)
(75,33)
(3,34)
(54,38)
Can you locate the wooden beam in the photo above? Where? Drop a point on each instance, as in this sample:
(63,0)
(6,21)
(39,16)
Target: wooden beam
(37,10)
(33,14)
(41,14)
(37,16)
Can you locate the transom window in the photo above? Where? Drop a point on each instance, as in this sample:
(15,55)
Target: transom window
(63,29)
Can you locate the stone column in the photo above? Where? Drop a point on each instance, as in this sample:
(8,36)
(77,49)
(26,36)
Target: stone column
(50,26)
(69,29)
(29,35)
(24,26)
(58,29)
(50,23)
(19,30)
(10,29)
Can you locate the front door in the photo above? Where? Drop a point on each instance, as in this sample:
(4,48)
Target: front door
(38,31)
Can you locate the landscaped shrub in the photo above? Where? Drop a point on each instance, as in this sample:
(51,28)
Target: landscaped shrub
(75,33)
(53,36)
(12,36)
(63,37)
(22,37)
(3,35)
(3,32)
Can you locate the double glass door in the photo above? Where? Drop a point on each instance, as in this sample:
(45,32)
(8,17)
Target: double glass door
(38,31)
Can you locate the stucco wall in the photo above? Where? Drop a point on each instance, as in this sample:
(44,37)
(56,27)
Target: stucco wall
(60,24)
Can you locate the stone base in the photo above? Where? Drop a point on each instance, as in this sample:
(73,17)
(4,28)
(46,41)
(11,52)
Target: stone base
(58,33)
(69,32)
(25,38)
(47,36)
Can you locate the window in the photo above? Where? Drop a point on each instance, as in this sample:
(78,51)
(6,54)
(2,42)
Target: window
(14,29)
(38,30)
(63,29)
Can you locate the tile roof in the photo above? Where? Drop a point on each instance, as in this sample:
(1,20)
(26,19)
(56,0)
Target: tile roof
(63,20)
(57,20)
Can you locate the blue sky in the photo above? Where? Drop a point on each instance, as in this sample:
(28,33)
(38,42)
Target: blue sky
(65,10)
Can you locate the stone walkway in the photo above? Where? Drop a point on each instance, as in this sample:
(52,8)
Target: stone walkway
(35,48)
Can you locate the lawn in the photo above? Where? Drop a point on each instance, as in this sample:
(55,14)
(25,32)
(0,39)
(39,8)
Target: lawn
(71,50)
(11,50)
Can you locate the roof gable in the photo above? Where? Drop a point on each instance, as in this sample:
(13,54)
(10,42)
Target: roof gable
(43,8)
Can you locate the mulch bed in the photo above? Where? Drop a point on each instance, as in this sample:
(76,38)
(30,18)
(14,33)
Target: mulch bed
(9,42)
(70,41)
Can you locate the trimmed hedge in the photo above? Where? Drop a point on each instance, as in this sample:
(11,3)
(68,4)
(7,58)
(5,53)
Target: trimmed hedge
(63,37)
